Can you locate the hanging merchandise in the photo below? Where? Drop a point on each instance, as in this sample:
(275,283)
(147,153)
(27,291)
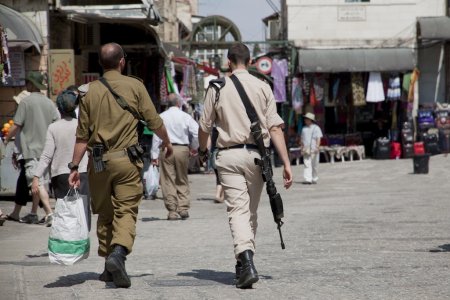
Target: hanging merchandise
(375,91)
(394,91)
(163,88)
(358,89)
(297,94)
(319,87)
(170,83)
(279,73)
(5,64)
(331,101)
(306,85)
(414,77)
(312,97)
(189,85)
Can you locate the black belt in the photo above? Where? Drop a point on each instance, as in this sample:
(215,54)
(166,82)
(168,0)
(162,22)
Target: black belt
(174,144)
(240,146)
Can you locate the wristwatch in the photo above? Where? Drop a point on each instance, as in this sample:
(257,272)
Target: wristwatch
(72,166)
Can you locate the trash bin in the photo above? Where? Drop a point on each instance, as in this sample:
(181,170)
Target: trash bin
(421,163)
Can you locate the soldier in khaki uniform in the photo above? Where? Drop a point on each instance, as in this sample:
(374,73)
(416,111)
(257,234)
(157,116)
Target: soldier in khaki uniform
(116,191)
(240,177)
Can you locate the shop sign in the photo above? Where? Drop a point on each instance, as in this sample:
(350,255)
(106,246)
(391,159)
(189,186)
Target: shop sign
(351,13)
(264,65)
(61,70)
(17,72)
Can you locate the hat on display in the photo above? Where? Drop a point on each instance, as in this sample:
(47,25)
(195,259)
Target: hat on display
(310,116)
(66,103)
(37,79)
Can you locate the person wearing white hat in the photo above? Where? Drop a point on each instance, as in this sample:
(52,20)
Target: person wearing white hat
(310,142)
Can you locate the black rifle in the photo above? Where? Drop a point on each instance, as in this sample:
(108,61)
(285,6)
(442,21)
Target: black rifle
(276,203)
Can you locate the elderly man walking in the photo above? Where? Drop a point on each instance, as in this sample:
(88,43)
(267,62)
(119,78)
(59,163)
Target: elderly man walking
(33,116)
(183,132)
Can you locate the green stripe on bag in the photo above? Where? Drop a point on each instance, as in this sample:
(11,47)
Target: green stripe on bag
(68,247)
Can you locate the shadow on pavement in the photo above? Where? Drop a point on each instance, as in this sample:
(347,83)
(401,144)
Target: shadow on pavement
(74,279)
(37,255)
(227,278)
(151,219)
(80,278)
(217,276)
(441,248)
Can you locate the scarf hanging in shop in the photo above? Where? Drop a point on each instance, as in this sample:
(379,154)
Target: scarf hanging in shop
(163,89)
(170,83)
(297,94)
(375,90)
(5,64)
(331,101)
(312,97)
(306,85)
(358,89)
(414,77)
(279,73)
(319,87)
(394,91)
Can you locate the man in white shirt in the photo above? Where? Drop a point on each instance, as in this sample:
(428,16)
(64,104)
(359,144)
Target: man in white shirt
(310,142)
(183,134)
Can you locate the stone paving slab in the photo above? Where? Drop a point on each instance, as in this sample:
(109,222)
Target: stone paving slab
(368,230)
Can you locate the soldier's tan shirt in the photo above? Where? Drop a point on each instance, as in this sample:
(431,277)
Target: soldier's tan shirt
(228,113)
(102,120)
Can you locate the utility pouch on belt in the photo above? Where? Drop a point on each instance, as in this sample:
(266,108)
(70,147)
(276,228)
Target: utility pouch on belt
(135,153)
(97,155)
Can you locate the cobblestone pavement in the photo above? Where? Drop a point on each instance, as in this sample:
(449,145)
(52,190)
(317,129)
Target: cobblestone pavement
(368,230)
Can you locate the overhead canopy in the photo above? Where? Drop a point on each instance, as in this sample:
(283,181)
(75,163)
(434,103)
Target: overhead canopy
(112,13)
(434,28)
(356,60)
(19,29)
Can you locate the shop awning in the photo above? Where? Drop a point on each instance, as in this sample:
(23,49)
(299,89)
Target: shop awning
(112,13)
(19,29)
(434,28)
(356,60)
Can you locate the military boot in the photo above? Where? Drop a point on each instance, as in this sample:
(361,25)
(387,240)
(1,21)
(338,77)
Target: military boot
(248,274)
(238,268)
(115,264)
(105,276)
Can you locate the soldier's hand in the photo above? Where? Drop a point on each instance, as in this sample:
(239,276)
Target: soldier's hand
(287,176)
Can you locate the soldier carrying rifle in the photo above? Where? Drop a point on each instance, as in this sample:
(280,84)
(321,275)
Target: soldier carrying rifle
(241,177)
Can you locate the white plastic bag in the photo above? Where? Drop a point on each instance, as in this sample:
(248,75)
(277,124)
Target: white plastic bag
(69,241)
(151,180)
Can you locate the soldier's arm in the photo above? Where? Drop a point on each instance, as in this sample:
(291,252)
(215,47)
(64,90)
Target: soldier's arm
(277,136)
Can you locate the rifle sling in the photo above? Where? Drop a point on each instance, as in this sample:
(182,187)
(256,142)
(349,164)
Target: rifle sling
(122,103)
(251,112)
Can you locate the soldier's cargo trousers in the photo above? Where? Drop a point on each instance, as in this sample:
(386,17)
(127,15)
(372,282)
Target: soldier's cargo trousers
(116,194)
(242,184)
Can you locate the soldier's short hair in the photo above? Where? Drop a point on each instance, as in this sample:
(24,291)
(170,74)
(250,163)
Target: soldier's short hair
(110,55)
(238,53)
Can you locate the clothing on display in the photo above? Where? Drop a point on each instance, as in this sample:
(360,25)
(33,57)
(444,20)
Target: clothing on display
(319,87)
(5,64)
(394,91)
(375,90)
(189,88)
(414,77)
(279,74)
(358,89)
(297,94)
